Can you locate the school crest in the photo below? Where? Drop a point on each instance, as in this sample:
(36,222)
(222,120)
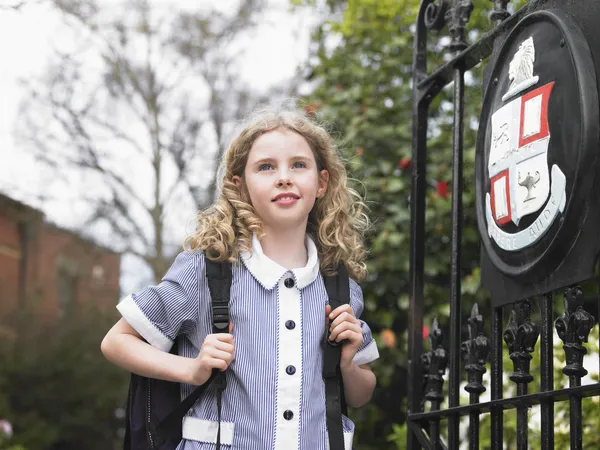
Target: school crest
(521,182)
(537,169)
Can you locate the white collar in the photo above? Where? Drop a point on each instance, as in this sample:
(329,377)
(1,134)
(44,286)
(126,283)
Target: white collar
(267,272)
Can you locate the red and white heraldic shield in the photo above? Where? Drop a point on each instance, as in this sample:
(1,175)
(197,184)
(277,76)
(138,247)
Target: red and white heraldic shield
(518,161)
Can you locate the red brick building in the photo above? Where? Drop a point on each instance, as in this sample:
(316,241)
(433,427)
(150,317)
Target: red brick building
(48,268)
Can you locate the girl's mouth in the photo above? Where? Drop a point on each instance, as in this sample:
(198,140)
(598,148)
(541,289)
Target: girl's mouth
(286,198)
(285,201)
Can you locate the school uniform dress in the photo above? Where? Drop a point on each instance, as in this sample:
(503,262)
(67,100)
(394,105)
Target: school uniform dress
(275,396)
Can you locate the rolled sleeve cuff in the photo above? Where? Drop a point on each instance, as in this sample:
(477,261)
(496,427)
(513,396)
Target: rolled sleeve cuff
(136,318)
(368,354)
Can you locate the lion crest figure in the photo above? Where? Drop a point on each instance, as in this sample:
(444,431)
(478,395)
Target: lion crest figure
(520,69)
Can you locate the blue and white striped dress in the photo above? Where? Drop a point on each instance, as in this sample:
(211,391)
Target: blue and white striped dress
(275,396)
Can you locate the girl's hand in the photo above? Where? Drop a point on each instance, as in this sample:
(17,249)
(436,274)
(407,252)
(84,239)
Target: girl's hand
(216,353)
(344,326)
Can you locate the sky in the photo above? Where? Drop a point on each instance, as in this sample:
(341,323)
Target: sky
(28,36)
(27,39)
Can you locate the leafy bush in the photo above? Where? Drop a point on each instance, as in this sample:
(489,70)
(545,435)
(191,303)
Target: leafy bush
(56,388)
(361,67)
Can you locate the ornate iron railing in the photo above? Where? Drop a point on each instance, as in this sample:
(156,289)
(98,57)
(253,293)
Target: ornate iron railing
(426,371)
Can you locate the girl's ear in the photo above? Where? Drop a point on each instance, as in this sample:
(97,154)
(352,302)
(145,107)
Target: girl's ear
(323,181)
(242,190)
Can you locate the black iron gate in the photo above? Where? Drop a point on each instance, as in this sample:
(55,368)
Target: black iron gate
(538,212)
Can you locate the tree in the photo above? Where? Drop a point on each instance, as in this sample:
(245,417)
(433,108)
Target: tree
(362,66)
(138,106)
(18,5)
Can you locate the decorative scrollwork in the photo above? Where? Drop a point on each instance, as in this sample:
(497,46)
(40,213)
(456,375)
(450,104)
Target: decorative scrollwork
(435,15)
(440,13)
(500,12)
(475,351)
(435,362)
(520,335)
(573,329)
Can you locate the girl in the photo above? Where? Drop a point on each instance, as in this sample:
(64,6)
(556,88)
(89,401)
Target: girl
(284,216)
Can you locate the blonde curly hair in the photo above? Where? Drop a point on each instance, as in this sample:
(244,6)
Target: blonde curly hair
(336,223)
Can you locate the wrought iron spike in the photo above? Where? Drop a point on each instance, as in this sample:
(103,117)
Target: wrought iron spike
(520,335)
(573,328)
(425,364)
(475,351)
(436,335)
(500,11)
(457,18)
(435,361)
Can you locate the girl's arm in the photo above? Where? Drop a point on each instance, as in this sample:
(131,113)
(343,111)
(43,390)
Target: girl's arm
(124,347)
(359,381)
(359,384)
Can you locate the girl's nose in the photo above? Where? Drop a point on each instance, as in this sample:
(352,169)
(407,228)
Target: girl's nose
(284,182)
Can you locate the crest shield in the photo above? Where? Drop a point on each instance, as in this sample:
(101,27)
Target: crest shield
(536,164)
(518,162)
(521,183)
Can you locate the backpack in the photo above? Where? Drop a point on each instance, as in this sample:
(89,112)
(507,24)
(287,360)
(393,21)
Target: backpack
(154,411)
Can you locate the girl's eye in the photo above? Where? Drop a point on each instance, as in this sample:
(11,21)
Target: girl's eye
(265,166)
(298,165)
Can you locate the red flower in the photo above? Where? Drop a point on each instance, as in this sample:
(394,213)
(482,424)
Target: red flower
(405,163)
(388,337)
(425,332)
(442,189)
(312,108)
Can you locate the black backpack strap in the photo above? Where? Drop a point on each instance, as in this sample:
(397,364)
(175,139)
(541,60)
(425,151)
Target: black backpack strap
(171,424)
(219,284)
(127,437)
(338,291)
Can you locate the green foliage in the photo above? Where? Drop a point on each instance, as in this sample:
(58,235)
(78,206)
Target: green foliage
(5,440)
(56,388)
(364,88)
(362,69)
(10,447)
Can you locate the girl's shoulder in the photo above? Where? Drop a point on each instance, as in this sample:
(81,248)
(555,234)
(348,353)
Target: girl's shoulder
(355,289)
(356,298)
(187,262)
(190,256)
(193,261)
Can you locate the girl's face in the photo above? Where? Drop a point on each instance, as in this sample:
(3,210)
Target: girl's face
(282,179)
